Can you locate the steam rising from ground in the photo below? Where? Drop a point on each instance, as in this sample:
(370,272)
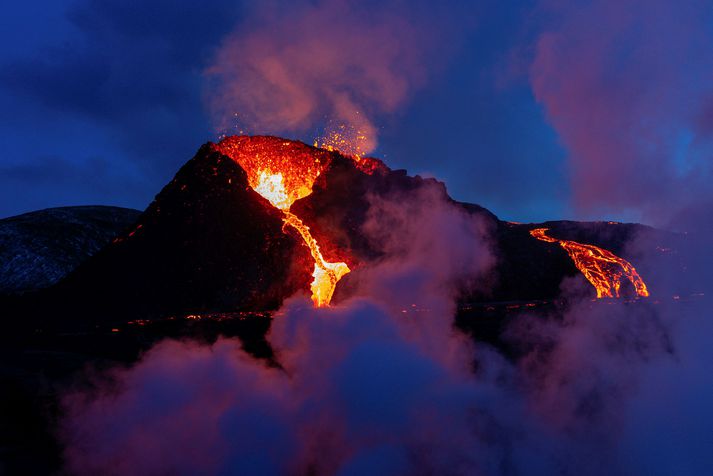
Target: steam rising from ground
(364,388)
(361,388)
(293,68)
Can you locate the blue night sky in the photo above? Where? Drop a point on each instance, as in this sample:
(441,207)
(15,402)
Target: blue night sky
(102,101)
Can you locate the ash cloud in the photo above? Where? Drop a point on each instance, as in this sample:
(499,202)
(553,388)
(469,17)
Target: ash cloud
(625,86)
(297,67)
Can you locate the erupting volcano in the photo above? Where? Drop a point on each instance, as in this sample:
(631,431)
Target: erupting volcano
(283,173)
(250,221)
(602,268)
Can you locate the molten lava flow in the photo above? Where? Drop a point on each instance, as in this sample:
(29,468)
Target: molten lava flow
(325,274)
(283,172)
(601,267)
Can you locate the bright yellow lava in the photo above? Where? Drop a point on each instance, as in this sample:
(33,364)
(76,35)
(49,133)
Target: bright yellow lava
(272,188)
(325,274)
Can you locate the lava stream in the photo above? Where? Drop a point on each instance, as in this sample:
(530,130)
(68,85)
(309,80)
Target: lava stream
(282,172)
(603,269)
(325,274)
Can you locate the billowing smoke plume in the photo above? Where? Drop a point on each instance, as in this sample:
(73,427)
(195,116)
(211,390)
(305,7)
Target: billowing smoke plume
(383,383)
(626,86)
(380,384)
(298,67)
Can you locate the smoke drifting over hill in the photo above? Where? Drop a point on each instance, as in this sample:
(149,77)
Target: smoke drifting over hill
(375,386)
(359,386)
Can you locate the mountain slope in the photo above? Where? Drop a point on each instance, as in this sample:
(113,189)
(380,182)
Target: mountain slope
(39,248)
(209,243)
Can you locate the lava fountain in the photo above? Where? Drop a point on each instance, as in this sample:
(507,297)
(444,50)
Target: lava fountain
(283,172)
(602,268)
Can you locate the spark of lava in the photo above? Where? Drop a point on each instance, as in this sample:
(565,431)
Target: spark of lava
(346,139)
(602,268)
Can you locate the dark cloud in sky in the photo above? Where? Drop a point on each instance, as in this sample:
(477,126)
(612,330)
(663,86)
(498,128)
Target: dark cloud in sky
(124,58)
(125,81)
(536,110)
(118,80)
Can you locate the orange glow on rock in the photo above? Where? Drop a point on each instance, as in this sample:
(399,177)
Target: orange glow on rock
(283,172)
(602,268)
(266,158)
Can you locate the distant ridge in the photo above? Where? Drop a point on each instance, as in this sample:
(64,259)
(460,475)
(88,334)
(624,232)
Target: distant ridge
(39,248)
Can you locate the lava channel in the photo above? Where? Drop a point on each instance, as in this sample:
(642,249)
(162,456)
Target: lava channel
(602,268)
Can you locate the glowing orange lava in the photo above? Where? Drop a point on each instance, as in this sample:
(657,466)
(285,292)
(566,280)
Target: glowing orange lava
(325,274)
(603,269)
(283,172)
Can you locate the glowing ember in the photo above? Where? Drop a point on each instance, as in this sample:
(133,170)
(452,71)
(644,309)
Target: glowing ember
(283,172)
(601,267)
(347,140)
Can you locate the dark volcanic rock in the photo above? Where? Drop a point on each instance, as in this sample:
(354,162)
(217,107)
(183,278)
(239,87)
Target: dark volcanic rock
(526,268)
(336,212)
(39,248)
(208,242)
